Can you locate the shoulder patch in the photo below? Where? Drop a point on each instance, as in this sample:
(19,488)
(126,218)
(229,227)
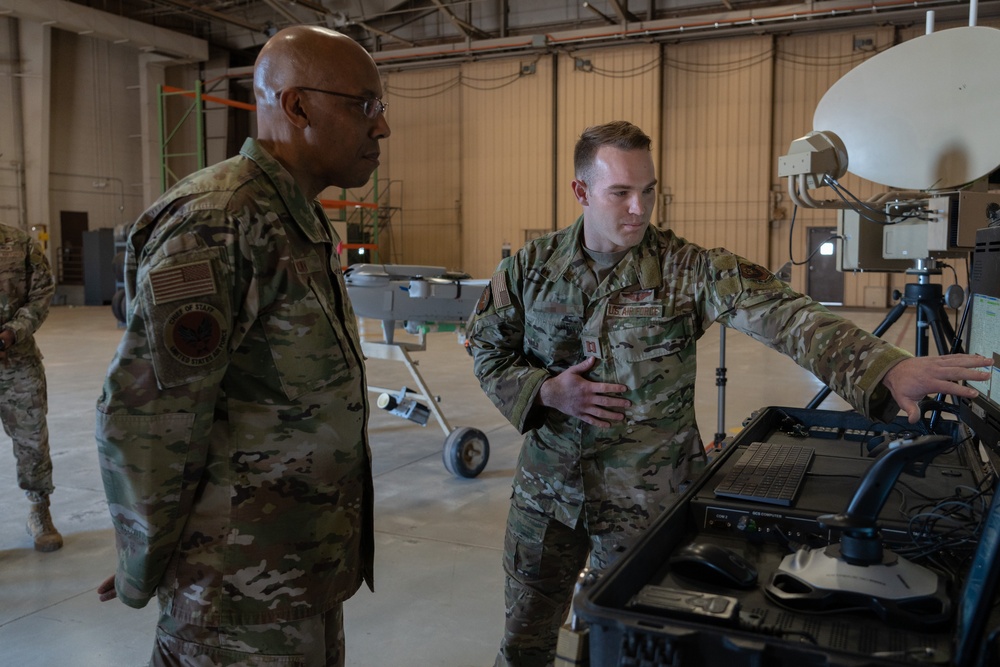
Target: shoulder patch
(195,334)
(484,300)
(755,272)
(501,295)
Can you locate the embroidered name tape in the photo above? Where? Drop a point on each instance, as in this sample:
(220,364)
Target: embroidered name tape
(618,310)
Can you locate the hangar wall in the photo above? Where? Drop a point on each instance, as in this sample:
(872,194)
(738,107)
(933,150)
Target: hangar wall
(480,153)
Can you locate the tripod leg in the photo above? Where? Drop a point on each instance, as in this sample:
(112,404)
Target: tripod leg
(945,339)
(940,326)
(890,318)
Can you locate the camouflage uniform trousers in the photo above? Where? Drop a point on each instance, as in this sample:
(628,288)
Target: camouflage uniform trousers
(542,559)
(23,406)
(315,641)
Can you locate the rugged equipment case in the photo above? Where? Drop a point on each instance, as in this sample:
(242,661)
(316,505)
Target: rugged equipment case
(764,634)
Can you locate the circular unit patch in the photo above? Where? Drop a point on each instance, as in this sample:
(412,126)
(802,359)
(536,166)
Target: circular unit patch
(195,334)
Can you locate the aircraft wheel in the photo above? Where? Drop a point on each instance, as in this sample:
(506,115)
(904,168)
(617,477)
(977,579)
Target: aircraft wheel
(466,451)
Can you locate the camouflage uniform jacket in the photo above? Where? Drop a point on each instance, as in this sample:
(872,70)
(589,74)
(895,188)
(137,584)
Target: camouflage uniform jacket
(544,312)
(231,427)
(26,288)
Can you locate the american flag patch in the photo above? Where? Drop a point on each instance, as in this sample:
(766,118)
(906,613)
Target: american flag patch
(501,297)
(182,282)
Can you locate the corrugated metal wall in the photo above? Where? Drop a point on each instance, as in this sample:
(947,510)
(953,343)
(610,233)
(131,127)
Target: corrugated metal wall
(420,177)
(596,87)
(483,151)
(506,166)
(716,157)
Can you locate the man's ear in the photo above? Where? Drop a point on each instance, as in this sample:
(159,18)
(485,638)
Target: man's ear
(580,192)
(291,106)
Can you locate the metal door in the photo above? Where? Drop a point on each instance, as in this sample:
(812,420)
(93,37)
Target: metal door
(823,282)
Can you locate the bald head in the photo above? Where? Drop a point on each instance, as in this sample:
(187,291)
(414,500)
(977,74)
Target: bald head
(315,90)
(302,56)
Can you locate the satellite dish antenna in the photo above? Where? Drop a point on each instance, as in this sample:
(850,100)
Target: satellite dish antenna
(921,115)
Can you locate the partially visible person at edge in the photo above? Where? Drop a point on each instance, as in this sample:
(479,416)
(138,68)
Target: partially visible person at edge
(585,340)
(26,289)
(231,427)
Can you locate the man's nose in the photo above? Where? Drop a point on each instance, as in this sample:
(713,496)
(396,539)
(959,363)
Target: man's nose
(381,129)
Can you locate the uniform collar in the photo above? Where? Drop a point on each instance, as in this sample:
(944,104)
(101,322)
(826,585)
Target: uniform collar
(308,214)
(642,266)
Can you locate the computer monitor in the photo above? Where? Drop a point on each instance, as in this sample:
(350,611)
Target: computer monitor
(982,327)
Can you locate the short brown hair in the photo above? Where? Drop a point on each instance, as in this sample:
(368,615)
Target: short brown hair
(620,134)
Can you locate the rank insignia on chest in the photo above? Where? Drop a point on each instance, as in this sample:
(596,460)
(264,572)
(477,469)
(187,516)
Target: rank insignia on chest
(591,346)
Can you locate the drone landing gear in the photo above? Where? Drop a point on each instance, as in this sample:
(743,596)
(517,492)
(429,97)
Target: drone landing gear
(466,450)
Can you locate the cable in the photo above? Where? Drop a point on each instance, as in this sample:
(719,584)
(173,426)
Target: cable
(864,208)
(791,228)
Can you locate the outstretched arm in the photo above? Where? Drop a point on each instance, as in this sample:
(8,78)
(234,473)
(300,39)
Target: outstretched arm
(914,378)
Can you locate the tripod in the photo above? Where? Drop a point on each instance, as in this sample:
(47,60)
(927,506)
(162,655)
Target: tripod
(929,302)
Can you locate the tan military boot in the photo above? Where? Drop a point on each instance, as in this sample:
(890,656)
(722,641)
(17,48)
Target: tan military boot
(40,527)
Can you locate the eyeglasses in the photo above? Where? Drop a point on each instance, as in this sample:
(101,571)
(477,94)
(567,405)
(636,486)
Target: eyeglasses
(372,106)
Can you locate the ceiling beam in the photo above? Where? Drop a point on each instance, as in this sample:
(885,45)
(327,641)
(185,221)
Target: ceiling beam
(624,15)
(284,11)
(467,29)
(804,17)
(383,33)
(109,27)
(607,19)
(218,16)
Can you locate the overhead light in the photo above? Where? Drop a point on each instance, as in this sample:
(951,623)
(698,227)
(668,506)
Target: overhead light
(85,32)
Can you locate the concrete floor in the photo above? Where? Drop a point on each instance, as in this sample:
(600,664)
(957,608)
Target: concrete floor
(439,591)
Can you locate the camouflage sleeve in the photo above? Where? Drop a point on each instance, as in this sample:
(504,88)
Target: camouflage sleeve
(156,412)
(850,361)
(496,340)
(40,288)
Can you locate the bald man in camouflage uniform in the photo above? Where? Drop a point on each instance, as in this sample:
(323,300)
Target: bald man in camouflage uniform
(585,341)
(231,427)
(26,289)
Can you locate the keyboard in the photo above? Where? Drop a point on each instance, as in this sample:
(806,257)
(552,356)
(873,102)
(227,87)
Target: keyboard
(767,473)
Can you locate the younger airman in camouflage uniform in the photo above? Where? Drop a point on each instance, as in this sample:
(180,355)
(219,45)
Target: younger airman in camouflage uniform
(585,341)
(26,289)
(231,427)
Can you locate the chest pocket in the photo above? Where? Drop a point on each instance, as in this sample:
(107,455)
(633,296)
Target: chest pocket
(632,339)
(304,334)
(552,333)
